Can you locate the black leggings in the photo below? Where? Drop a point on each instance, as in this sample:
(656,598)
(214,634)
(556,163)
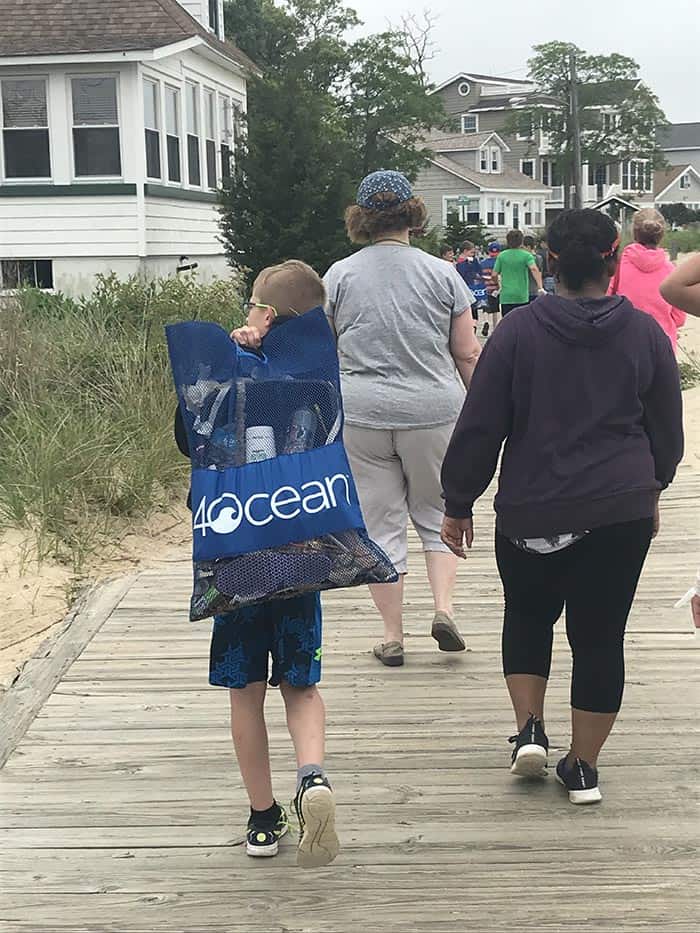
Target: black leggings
(596,579)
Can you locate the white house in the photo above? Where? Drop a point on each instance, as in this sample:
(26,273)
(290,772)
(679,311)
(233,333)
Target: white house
(118,122)
(469,175)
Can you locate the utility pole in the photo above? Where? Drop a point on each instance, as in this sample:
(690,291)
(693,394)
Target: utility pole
(575,129)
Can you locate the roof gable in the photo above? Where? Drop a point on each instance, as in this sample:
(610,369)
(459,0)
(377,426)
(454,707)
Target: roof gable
(463,142)
(667,178)
(507,180)
(482,79)
(60,27)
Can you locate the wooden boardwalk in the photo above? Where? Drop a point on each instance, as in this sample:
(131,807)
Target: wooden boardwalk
(122,808)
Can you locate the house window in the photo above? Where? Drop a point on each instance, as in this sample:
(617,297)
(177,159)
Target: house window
(468,210)
(527,167)
(214,23)
(172,131)
(611,121)
(470,123)
(551,174)
(483,160)
(526,129)
(226,131)
(463,89)
(636,175)
(96,146)
(527,213)
(496,212)
(194,172)
(495,159)
(25,128)
(685,180)
(210,136)
(538,212)
(26,273)
(151,118)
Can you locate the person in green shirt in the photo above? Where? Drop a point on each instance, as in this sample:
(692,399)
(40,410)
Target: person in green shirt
(513,270)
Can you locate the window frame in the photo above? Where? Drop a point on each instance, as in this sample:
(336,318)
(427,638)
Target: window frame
(227,133)
(14,289)
(178,135)
(498,170)
(647,175)
(160,129)
(91,179)
(495,211)
(483,160)
(528,137)
(196,88)
(471,116)
(29,179)
(462,210)
(533,163)
(209,94)
(684,182)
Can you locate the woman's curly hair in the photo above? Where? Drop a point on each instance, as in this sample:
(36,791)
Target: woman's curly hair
(365,224)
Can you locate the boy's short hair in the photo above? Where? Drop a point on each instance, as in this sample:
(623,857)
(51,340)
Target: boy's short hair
(467,245)
(292,288)
(446,249)
(514,239)
(529,241)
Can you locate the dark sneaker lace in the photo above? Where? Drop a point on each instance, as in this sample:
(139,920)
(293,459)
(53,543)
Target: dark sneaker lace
(532,733)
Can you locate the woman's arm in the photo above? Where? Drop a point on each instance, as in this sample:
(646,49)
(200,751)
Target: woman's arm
(464,346)
(663,413)
(485,421)
(682,288)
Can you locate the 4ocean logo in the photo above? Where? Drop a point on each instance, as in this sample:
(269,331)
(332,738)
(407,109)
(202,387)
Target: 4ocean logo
(225,514)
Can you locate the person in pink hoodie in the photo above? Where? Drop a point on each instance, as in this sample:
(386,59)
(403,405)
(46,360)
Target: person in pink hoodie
(644,265)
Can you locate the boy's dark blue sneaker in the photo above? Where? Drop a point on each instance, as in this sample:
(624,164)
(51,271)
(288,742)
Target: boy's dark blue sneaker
(581,781)
(315,810)
(530,752)
(263,841)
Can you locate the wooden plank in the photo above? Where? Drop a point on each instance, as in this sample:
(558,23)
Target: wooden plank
(123,810)
(43,672)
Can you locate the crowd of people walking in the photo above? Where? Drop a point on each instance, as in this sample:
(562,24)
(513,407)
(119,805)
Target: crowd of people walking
(576,394)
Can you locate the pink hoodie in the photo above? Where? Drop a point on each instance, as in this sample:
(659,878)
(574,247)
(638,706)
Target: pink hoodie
(642,270)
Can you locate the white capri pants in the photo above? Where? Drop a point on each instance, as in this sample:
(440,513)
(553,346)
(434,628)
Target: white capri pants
(397,474)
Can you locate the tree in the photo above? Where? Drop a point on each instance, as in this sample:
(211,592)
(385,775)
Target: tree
(326,111)
(679,215)
(617,113)
(456,231)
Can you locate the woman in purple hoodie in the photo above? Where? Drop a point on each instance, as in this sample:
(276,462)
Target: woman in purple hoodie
(584,390)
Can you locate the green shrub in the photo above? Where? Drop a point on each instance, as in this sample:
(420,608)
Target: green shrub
(87,404)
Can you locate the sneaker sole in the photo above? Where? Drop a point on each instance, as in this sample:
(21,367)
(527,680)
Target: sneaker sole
(392,660)
(448,638)
(582,797)
(319,843)
(264,851)
(531,761)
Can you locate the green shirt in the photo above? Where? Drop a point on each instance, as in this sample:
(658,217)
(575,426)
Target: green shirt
(513,265)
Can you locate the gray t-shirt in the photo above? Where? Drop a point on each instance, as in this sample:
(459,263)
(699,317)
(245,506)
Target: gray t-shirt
(392,308)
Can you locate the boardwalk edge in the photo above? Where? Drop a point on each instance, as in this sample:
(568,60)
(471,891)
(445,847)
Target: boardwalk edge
(39,677)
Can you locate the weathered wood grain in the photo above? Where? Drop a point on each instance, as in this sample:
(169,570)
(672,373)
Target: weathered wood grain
(123,811)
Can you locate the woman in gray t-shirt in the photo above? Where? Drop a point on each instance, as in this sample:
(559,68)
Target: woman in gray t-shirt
(404,341)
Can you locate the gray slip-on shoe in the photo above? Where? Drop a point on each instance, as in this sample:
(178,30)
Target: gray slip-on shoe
(445,633)
(390,654)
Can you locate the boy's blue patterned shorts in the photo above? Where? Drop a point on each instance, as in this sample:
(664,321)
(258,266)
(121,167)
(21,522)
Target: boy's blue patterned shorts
(287,629)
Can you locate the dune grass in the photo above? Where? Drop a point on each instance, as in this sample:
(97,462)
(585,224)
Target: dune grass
(87,404)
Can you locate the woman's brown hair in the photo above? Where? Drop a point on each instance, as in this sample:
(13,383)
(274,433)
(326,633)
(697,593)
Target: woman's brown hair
(365,224)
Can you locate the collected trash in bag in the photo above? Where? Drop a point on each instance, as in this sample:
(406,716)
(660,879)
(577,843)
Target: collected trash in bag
(275,511)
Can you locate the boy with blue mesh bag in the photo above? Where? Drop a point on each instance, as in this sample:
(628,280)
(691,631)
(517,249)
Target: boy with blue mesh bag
(266,521)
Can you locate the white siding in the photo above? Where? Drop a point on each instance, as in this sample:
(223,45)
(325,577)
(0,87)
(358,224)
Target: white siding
(181,228)
(44,228)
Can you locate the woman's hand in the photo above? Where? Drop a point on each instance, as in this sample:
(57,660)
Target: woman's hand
(247,337)
(456,533)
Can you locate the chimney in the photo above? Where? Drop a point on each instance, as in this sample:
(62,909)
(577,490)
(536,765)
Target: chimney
(210,14)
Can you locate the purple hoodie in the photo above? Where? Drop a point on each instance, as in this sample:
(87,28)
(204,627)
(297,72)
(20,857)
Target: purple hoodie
(586,395)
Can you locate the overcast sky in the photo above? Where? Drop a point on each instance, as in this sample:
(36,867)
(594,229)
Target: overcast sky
(496,37)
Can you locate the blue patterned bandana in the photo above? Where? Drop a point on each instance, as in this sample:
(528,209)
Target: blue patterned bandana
(384,182)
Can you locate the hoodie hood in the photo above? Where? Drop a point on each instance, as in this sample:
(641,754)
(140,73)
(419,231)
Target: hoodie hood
(587,321)
(644,258)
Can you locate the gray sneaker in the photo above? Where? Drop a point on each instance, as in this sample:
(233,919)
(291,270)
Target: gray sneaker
(390,654)
(445,633)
